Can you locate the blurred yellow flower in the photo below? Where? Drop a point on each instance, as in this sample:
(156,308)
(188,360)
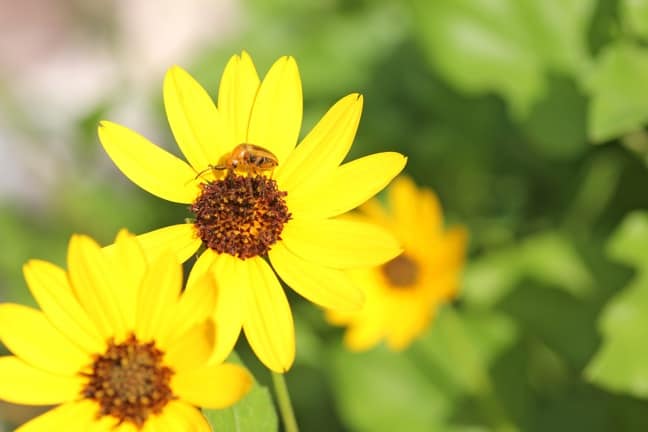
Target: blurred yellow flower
(402,295)
(116,345)
(260,203)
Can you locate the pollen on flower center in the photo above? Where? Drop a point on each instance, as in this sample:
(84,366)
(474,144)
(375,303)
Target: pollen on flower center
(129,381)
(240,215)
(402,271)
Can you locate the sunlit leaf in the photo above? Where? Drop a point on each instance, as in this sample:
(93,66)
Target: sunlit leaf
(635,15)
(490,277)
(621,364)
(550,257)
(382,391)
(629,243)
(505,46)
(547,257)
(619,93)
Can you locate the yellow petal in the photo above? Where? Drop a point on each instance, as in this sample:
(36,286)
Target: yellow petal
(431,229)
(198,300)
(404,204)
(231,276)
(23,384)
(90,279)
(193,348)
(363,336)
(276,116)
(375,211)
(215,387)
(324,147)
(124,427)
(450,250)
(340,243)
(127,255)
(78,416)
(416,317)
(157,298)
(268,323)
(164,421)
(29,335)
(327,287)
(193,118)
(201,267)
(179,416)
(350,185)
(238,88)
(148,166)
(50,287)
(180,239)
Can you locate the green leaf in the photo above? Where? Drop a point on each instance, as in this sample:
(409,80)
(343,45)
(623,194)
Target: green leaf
(490,277)
(254,413)
(383,391)
(629,243)
(617,85)
(505,46)
(635,16)
(418,389)
(547,257)
(462,345)
(621,364)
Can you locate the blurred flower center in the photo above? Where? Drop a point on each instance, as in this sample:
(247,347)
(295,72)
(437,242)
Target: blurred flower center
(401,271)
(129,381)
(240,215)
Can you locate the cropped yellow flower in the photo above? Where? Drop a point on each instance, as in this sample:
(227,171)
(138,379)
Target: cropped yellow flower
(261,204)
(403,294)
(116,345)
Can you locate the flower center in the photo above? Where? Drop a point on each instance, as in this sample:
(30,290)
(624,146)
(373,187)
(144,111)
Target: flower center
(129,381)
(401,271)
(240,215)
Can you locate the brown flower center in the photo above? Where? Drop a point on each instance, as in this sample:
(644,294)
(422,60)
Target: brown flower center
(129,381)
(240,215)
(402,271)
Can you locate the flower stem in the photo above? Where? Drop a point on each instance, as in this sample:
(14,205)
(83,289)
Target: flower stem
(283,400)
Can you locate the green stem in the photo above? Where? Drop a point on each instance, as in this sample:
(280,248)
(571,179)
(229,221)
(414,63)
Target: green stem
(283,400)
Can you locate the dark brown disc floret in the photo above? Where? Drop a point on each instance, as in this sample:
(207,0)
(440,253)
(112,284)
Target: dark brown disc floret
(240,215)
(129,381)
(402,271)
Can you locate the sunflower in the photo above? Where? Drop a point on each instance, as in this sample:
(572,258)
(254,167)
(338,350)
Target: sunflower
(116,345)
(403,294)
(261,205)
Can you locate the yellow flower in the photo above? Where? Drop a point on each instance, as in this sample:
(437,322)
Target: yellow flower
(116,345)
(402,295)
(261,204)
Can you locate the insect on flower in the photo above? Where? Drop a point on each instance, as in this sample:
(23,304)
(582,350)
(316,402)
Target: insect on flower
(248,232)
(249,158)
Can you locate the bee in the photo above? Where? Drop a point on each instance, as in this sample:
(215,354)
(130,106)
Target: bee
(249,158)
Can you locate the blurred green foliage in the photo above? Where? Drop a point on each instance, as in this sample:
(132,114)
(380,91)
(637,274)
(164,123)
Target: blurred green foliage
(527,118)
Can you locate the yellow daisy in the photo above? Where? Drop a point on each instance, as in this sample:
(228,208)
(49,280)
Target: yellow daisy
(402,295)
(116,345)
(261,205)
